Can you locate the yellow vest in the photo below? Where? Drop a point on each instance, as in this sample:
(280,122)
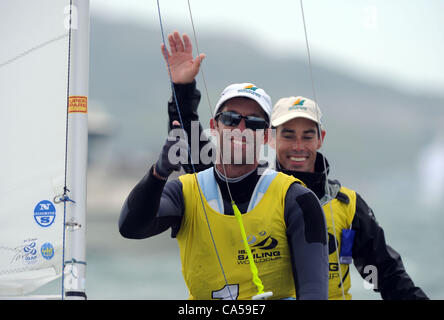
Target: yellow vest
(343,214)
(266,232)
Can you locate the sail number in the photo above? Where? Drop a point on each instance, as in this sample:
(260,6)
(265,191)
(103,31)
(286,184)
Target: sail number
(230,292)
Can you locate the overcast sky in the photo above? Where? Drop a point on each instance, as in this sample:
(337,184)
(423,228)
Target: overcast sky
(402,41)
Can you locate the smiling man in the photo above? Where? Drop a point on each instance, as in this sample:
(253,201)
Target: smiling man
(240,126)
(284,222)
(298,136)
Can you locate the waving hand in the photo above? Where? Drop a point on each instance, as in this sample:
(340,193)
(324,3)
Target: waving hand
(180,58)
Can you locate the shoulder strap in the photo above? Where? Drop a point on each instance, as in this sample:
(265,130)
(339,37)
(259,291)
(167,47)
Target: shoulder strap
(210,189)
(334,187)
(261,187)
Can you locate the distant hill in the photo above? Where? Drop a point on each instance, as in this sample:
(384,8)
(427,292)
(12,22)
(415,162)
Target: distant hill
(368,124)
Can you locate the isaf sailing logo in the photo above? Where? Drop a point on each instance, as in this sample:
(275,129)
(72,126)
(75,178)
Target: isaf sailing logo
(333,265)
(263,248)
(29,253)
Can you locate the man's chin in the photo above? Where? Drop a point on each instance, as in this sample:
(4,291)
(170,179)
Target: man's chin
(296,168)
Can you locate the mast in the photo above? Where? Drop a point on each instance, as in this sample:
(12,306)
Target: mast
(77,148)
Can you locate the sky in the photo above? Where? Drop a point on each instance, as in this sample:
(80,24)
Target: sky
(401,42)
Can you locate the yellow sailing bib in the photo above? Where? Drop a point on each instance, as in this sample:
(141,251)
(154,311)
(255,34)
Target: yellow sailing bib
(343,214)
(266,232)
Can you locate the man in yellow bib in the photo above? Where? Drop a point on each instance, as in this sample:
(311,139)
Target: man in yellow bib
(353,232)
(283,221)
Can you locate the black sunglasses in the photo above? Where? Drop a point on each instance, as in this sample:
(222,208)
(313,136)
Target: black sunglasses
(232,119)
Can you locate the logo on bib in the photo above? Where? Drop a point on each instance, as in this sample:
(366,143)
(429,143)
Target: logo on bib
(261,245)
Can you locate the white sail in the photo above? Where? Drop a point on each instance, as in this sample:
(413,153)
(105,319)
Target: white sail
(33,112)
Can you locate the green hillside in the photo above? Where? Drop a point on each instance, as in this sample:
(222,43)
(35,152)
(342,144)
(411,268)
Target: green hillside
(368,124)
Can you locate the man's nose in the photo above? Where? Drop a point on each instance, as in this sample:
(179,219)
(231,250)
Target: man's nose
(298,145)
(242,125)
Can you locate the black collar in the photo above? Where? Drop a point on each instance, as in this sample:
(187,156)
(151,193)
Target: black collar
(241,191)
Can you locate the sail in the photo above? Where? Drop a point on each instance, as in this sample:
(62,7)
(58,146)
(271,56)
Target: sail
(33,100)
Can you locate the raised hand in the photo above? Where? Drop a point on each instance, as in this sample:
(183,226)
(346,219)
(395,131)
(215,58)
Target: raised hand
(180,58)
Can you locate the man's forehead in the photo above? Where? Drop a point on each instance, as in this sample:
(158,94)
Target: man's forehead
(243,104)
(298,124)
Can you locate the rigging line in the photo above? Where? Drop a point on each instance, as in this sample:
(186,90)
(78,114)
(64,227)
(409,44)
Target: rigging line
(308,54)
(65,189)
(327,189)
(189,150)
(208,96)
(254,271)
(29,51)
(198,53)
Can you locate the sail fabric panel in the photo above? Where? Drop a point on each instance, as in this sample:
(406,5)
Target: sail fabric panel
(33,98)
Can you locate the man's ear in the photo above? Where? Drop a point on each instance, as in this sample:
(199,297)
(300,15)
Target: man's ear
(213,124)
(321,141)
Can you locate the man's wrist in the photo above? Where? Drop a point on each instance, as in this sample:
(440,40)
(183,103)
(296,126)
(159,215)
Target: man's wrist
(157,175)
(185,88)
